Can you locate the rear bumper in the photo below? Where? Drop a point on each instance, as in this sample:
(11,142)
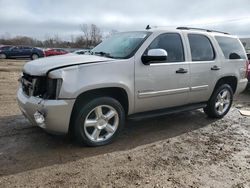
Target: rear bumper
(57,112)
(242,84)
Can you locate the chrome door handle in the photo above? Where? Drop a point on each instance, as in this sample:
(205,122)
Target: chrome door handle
(215,68)
(181,71)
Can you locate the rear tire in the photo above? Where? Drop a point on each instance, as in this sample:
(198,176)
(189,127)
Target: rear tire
(220,102)
(99,121)
(34,56)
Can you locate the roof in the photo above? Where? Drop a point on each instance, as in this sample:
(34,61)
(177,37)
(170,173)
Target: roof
(187,29)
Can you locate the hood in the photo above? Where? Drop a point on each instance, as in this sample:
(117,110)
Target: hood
(41,66)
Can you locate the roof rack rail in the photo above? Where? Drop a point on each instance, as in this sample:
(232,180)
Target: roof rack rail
(200,29)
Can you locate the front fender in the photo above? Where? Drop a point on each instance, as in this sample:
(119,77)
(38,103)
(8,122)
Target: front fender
(82,78)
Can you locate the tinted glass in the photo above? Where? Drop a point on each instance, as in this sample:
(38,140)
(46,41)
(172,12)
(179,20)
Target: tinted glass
(201,48)
(231,45)
(172,43)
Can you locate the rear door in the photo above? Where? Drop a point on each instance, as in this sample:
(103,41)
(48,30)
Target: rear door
(26,51)
(164,84)
(204,67)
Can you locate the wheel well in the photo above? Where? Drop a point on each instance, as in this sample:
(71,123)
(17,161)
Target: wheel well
(3,53)
(230,80)
(34,53)
(115,92)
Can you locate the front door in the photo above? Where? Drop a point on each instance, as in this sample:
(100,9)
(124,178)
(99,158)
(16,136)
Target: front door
(164,84)
(14,52)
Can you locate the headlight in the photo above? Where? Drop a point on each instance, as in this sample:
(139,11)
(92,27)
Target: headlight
(53,88)
(58,87)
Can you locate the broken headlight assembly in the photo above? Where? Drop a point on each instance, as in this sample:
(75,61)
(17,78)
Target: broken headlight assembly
(41,86)
(53,88)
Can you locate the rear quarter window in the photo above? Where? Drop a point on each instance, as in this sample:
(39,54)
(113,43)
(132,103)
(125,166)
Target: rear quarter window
(231,45)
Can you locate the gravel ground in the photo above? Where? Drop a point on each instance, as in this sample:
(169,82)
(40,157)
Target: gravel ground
(180,150)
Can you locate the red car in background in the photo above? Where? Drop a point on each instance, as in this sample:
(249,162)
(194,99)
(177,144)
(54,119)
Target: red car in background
(54,51)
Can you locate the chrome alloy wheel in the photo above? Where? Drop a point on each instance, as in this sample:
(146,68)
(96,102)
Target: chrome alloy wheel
(223,101)
(101,123)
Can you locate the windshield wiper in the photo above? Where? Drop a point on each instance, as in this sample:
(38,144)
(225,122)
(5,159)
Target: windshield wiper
(103,54)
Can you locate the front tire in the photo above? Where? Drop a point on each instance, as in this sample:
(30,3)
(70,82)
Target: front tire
(99,121)
(220,102)
(3,56)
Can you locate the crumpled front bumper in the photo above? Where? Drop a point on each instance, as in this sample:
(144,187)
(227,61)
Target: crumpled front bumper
(57,112)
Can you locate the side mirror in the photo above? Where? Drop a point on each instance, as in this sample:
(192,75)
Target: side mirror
(154,56)
(234,56)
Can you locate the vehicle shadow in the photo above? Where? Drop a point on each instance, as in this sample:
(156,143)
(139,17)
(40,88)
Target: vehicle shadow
(23,147)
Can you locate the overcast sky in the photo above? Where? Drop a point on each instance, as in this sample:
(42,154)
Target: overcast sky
(41,18)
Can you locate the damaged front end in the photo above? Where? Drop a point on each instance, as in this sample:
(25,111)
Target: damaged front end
(39,101)
(40,86)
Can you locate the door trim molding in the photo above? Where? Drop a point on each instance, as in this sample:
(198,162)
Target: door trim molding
(147,94)
(152,93)
(199,88)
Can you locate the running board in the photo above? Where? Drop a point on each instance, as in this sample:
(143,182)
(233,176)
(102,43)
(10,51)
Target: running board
(166,111)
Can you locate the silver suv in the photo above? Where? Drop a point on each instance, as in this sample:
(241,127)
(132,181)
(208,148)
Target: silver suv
(139,74)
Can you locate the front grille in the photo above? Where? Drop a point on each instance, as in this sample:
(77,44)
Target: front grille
(34,85)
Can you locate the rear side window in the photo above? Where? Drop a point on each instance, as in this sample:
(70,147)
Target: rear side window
(231,46)
(172,43)
(201,48)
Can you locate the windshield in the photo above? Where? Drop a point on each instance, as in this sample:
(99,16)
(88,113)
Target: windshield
(5,47)
(121,45)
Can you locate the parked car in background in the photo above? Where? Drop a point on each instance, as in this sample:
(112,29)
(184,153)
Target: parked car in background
(54,51)
(21,52)
(81,52)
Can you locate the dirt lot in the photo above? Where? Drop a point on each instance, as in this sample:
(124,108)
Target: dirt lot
(180,150)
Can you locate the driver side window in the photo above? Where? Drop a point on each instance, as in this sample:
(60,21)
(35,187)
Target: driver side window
(172,43)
